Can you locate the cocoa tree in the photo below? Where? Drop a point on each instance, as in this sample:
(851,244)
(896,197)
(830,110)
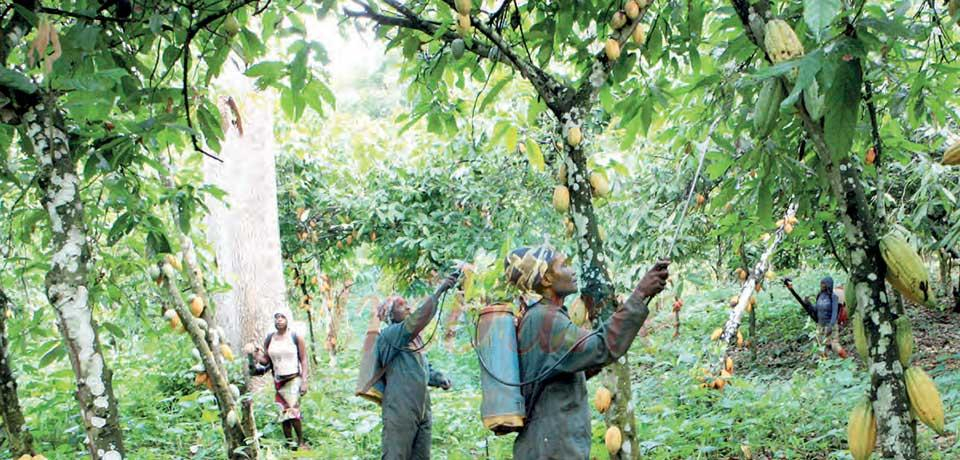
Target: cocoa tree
(831,141)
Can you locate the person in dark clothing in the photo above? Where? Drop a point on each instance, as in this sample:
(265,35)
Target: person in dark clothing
(825,311)
(406,374)
(558,416)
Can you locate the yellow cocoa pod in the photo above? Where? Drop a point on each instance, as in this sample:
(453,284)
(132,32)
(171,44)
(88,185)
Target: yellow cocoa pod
(781,41)
(602,233)
(639,34)
(619,20)
(924,399)
(578,312)
(602,399)
(612,49)
(174,319)
(25,457)
(632,8)
(599,184)
(196,306)
(716,333)
(226,352)
(464,24)
(574,136)
(728,365)
(742,274)
(561,198)
(570,228)
(718,384)
(39,457)
(862,431)
(770,275)
(173,261)
(739,339)
(904,340)
(905,269)
(613,440)
(463,6)
(952,155)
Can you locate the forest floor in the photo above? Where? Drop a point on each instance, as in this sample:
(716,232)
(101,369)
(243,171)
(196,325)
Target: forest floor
(784,401)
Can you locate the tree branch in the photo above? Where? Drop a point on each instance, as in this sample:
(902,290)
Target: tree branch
(191,33)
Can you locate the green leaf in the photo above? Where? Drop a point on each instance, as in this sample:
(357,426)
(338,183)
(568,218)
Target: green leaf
(120,228)
(53,354)
(16,80)
(117,331)
(510,139)
(840,119)
(492,94)
(157,243)
(819,14)
(534,154)
(809,66)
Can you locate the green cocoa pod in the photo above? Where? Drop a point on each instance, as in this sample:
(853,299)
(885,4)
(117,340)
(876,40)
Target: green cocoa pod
(860,338)
(904,340)
(457,48)
(768,107)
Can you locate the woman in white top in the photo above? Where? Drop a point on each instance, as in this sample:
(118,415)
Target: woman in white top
(286,356)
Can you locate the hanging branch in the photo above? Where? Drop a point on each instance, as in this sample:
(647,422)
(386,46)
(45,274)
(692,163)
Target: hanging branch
(833,248)
(185,91)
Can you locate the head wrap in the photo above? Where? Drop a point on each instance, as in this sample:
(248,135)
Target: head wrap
(385,309)
(525,267)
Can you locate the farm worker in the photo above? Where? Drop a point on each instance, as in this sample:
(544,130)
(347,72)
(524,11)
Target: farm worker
(406,374)
(825,310)
(285,354)
(558,417)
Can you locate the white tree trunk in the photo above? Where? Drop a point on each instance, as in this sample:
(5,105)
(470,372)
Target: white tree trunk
(244,232)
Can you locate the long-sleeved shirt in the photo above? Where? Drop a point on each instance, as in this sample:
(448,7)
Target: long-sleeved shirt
(558,422)
(408,372)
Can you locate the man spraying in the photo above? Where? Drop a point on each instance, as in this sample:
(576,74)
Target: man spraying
(554,353)
(406,374)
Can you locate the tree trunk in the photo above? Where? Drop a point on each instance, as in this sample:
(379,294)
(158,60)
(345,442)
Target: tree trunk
(66,282)
(234,436)
(211,339)
(337,304)
(244,229)
(598,294)
(21,443)
(307,305)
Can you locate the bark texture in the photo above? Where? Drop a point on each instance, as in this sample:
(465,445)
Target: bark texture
(66,281)
(20,441)
(244,230)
